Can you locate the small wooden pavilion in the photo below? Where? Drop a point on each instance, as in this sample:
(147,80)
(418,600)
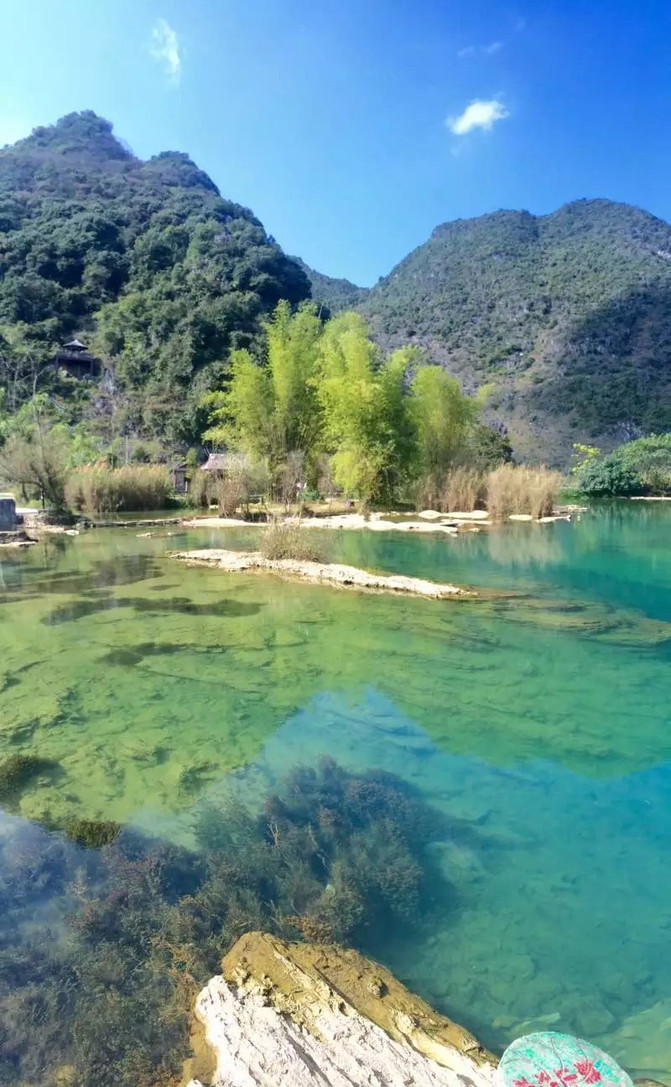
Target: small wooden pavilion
(77,361)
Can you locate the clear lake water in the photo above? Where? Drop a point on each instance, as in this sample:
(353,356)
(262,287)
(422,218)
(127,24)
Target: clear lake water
(537,718)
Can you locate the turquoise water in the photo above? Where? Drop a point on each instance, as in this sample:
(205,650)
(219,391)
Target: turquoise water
(538,721)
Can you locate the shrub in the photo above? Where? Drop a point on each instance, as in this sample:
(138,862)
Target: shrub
(290,478)
(639,467)
(608,477)
(37,465)
(241,480)
(290,540)
(521,490)
(100,489)
(202,488)
(650,458)
(231,491)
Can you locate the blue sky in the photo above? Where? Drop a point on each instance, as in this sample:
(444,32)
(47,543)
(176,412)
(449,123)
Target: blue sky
(354,127)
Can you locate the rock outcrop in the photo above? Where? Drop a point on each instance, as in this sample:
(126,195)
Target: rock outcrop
(316,1015)
(347,577)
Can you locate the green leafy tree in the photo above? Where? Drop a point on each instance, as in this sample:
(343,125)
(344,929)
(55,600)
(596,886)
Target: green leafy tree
(582,457)
(443,419)
(487,448)
(650,459)
(639,467)
(366,423)
(37,464)
(271,409)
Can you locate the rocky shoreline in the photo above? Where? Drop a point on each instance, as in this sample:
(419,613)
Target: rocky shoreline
(450,524)
(346,577)
(316,1015)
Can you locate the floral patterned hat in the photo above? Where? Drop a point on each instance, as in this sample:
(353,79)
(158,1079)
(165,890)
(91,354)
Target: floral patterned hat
(547,1059)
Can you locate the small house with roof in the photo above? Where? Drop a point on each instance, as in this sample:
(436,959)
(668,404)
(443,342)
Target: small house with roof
(77,361)
(218,464)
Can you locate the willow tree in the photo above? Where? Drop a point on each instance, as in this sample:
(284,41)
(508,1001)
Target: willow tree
(270,408)
(366,424)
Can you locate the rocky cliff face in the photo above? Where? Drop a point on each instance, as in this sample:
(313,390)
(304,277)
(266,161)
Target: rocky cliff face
(305,1015)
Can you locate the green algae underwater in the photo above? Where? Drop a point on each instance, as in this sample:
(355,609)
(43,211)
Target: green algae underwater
(536,724)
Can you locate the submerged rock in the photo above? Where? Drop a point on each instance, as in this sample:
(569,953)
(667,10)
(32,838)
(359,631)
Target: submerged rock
(305,1015)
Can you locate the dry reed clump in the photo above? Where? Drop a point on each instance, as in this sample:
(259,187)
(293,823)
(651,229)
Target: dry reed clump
(290,540)
(464,489)
(513,489)
(100,489)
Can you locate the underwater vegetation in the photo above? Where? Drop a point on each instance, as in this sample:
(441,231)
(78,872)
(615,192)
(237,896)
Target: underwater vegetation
(93,833)
(18,772)
(102,951)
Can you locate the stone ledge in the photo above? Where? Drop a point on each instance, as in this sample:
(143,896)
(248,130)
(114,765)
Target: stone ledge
(317,1015)
(348,577)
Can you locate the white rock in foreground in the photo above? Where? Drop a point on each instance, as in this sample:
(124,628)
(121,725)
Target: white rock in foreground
(302,1015)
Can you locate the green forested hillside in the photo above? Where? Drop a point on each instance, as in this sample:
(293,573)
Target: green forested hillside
(145,261)
(334,294)
(568,316)
(565,318)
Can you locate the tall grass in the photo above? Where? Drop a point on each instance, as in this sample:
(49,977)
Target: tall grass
(464,489)
(100,489)
(502,491)
(290,540)
(513,489)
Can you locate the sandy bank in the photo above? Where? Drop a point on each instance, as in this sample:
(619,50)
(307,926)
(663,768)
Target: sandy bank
(349,577)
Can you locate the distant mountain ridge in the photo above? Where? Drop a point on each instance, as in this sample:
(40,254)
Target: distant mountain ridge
(335,294)
(567,316)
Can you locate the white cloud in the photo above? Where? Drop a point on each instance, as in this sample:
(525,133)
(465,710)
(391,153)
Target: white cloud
(479,114)
(476,50)
(165,48)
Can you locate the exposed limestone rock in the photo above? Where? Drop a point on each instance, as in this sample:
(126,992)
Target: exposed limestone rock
(16,539)
(470,515)
(449,524)
(306,1015)
(332,573)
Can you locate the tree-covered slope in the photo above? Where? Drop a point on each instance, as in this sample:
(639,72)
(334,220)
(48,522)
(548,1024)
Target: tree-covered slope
(144,260)
(335,294)
(568,316)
